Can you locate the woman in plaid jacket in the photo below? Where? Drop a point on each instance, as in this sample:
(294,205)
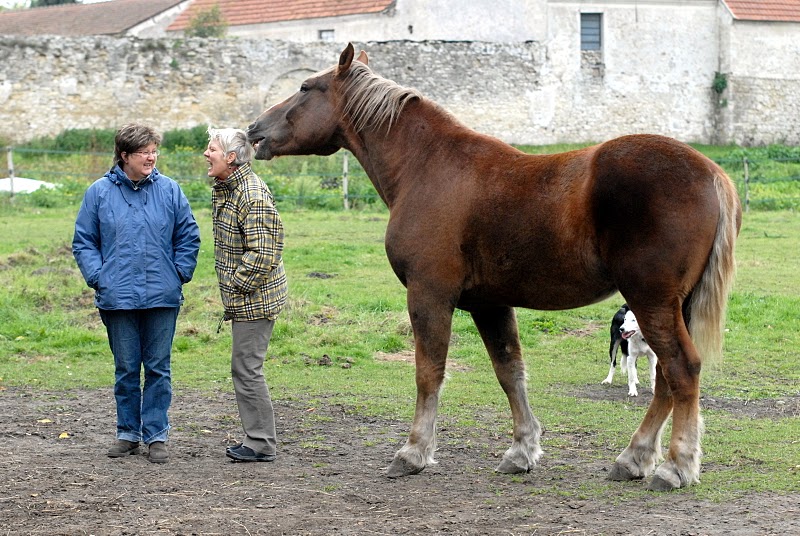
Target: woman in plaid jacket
(248,252)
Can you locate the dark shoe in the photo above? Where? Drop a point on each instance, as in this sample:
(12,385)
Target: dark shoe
(236,446)
(241,453)
(158,452)
(123,448)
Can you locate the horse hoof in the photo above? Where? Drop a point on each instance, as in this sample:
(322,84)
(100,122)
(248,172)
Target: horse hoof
(510,468)
(660,484)
(620,473)
(400,467)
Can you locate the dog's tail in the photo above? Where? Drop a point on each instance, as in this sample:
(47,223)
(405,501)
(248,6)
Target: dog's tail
(709,298)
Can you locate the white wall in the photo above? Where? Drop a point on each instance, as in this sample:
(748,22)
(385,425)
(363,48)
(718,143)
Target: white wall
(763,97)
(658,62)
(419,20)
(157,26)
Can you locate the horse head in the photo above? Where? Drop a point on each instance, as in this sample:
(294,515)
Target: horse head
(333,109)
(308,122)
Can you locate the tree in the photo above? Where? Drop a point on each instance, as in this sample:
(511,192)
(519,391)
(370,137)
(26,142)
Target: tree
(44,3)
(19,4)
(208,23)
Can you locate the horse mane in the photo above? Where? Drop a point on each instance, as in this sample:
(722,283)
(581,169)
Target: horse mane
(373,100)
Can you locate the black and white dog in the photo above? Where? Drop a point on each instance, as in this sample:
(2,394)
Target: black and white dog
(637,347)
(629,339)
(617,344)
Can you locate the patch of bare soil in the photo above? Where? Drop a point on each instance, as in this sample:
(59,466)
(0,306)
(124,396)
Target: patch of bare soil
(757,409)
(328,479)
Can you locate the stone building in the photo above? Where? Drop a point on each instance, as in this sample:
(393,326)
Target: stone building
(527,71)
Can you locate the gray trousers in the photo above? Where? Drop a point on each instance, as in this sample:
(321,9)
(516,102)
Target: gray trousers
(250,342)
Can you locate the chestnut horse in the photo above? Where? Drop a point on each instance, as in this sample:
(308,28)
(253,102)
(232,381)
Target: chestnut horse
(478,225)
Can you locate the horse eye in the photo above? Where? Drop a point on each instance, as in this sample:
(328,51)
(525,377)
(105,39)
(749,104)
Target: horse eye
(304,88)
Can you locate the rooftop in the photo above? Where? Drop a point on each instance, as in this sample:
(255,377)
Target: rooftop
(765,10)
(104,18)
(249,12)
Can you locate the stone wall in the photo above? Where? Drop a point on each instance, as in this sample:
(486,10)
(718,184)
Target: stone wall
(762,101)
(522,92)
(761,110)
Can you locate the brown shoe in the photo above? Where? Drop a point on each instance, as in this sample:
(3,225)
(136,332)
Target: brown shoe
(123,448)
(158,452)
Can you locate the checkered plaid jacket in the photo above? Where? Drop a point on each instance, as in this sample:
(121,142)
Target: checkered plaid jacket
(248,247)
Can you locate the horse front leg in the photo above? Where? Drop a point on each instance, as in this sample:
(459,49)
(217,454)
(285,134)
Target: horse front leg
(431,320)
(498,329)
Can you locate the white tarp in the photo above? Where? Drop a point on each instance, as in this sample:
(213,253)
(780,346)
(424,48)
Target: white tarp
(22,185)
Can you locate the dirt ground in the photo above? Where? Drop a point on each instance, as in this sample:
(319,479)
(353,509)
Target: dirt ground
(328,479)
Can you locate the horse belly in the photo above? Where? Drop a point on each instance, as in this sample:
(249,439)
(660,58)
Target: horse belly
(538,281)
(552,298)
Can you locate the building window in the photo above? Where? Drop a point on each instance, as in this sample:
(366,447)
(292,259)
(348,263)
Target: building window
(591,31)
(325,35)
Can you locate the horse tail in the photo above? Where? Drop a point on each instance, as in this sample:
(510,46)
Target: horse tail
(709,298)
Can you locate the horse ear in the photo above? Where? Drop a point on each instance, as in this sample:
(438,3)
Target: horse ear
(346,59)
(362,57)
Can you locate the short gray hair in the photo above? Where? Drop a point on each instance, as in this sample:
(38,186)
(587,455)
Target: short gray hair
(233,140)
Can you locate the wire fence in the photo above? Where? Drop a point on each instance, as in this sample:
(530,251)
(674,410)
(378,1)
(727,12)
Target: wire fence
(765,183)
(336,182)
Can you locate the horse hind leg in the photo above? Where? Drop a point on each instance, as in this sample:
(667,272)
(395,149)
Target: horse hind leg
(639,458)
(432,324)
(498,329)
(677,391)
(682,375)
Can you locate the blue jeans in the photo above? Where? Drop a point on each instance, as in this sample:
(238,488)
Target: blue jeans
(142,337)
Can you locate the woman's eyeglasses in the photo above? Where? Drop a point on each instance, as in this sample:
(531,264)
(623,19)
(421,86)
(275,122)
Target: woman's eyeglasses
(145,154)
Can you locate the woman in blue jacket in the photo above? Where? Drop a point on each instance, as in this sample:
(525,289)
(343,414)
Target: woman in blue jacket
(136,243)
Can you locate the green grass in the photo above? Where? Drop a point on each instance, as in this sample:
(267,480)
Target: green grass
(346,303)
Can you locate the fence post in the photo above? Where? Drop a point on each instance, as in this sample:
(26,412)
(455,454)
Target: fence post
(10,153)
(746,184)
(345,195)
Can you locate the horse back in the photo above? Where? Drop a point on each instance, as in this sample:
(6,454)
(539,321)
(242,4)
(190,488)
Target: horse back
(565,230)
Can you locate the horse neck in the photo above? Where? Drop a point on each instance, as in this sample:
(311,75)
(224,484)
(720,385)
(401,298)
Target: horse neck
(395,160)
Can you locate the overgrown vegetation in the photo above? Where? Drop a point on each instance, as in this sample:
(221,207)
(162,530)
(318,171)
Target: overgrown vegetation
(76,157)
(720,82)
(44,3)
(207,23)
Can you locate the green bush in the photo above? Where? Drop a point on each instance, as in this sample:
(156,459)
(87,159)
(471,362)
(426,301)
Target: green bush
(195,138)
(207,23)
(198,192)
(315,182)
(67,193)
(102,140)
(86,140)
(184,163)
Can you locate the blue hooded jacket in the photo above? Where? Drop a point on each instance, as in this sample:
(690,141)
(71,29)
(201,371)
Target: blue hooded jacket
(136,244)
